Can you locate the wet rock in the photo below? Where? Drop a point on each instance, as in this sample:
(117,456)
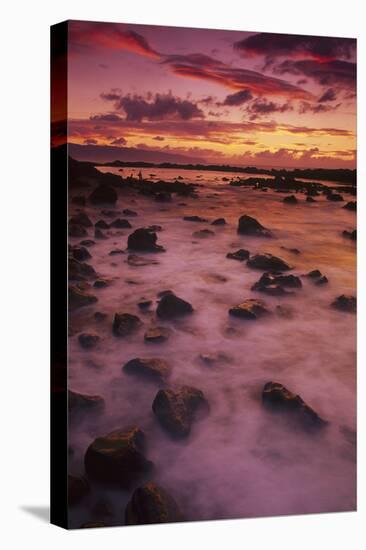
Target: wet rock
(128,212)
(171,306)
(140,261)
(87,242)
(144,239)
(314,274)
(250,226)
(88,340)
(118,457)
(116,251)
(98,234)
(81,219)
(100,316)
(241,255)
(351,206)
(125,323)
(77,231)
(268,262)
(144,304)
(77,489)
(157,335)
(275,285)
(310,199)
(350,234)
(323,280)
(249,309)
(176,410)
(81,253)
(83,402)
(291,199)
(79,298)
(335,197)
(277,397)
(154,369)
(219,221)
(120,223)
(80,271)
(203,234)
(345,303)
(103,194)
(109,213)
(101,224)
(195,219)
(162,293)
(101,283)
(152,504)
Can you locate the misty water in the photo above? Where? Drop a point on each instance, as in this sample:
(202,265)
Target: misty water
(241,460)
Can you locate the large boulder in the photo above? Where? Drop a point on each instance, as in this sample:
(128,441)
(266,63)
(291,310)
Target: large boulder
(118,457)
(176,410)
(103,194)
(171,306)
(79,298)
(83,402)
(81,219)
(250,226)
(156,335)
(80,253)
(273,284)
(152,368)
(277,397)
(125,323)
(80,271)
(219,221)
(152,504)
(249,309)
(241,255)
(291,199)
(77,489)
(120,223)
(345,303)
(268,262)
(144,239)
(351,206)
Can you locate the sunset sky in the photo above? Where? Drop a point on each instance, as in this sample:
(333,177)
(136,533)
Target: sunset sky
(224,97)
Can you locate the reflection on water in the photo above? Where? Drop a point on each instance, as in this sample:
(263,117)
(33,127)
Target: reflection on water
(240,461)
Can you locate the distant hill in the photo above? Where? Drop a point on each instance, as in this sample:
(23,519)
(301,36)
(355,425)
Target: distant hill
(108,153)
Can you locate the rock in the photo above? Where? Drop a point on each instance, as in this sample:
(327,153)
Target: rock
(150,368)
(77,489)
(116,251)
(125,323)
(103,194)
(88,340)
(268,262)
(98,234)
(212,359)
(250,226)
(314,274)
(219,221)
(144,239)
(295,251)
(351,206)
(335,197)
(345,303)
(277,397)
(101,283)
(101,224)
(350,234)
(139,261)
(195,219)
(241,255)
(171,306)
(77,231)
(78,298)
(128,212)
(203,234)
(249,309)
(291,199)
(163,196)
(80,271)
(87,242)
(81,219)
(80,253)
(109,213)
(152,504)
(323,280)
(144,304)
(176,410)
(157,334)
(118,457)
(83,402)
(100,316)
(274,284)
(120,223)
(310,199)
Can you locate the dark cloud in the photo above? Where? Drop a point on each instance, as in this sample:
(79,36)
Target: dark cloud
(108,117)
(315,108)
(327,73)
(119,141)
(263,107)
(328,95)
(273,45)
(238,98)
(158,107)
(159,138)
